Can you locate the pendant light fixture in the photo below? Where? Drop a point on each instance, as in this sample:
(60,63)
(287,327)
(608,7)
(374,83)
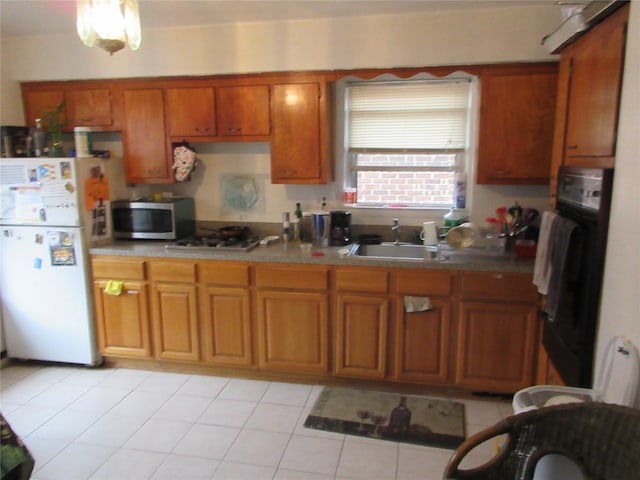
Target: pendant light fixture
(110,24)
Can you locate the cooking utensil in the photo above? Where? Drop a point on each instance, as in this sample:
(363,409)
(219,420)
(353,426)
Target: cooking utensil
(234,231)
(529,215)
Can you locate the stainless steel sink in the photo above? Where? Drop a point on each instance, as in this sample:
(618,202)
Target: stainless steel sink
(411,251)
(406,251)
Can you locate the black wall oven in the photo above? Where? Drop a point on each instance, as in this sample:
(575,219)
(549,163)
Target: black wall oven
(584,196)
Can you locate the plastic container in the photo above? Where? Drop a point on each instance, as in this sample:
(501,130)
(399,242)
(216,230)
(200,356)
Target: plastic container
(82,139)
(525,248)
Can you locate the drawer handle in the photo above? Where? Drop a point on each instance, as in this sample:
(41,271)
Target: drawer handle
(89,119)
(503,172)
(205,129)
(234,129)
(498,276)
(572,147)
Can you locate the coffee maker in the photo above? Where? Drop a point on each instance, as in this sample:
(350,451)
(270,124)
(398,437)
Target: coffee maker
(340,227)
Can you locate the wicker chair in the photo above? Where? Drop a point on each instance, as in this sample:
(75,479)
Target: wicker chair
(602,439)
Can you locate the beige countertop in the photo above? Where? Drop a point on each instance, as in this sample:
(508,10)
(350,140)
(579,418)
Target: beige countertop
(292,253)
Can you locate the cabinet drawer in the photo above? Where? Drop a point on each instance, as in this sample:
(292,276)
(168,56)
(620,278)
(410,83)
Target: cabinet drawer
(293,278)
(360,280)
(216,273)
(184,272)
(118,268)
(423,282)
(498,286)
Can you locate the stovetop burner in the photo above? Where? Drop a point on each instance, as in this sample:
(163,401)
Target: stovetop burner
(213,240)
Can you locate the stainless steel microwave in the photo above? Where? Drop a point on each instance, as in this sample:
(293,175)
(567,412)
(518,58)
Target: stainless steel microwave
(165,219)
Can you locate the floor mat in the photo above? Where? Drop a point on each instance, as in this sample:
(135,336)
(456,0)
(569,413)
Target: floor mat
(403,418)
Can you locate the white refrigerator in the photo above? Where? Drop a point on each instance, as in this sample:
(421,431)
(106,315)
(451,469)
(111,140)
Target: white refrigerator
(51,210)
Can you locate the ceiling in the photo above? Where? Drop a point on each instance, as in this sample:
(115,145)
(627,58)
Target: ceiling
(46,17)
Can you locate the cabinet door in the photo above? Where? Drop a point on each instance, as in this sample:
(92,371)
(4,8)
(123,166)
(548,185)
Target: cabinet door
(40,101)
(191,112)
(496,346)
(123,320)
(143,137)
(226,325)
(89,108)
(596,79)
(361,335)
(296,138)
(423,339)
(243,110)
(516,126)
(293,331)
(175,322)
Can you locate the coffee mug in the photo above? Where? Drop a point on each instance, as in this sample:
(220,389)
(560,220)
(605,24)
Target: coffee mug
(428,235)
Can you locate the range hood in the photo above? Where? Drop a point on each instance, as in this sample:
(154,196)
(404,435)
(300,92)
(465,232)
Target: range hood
(578,21)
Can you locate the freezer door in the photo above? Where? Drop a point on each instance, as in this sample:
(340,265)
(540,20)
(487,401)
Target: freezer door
(39,191)
(47,309)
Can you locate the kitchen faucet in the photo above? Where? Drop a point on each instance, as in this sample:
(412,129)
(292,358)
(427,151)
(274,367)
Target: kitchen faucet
(396,230)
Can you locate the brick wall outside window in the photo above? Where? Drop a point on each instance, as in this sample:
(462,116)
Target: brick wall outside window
(420,186)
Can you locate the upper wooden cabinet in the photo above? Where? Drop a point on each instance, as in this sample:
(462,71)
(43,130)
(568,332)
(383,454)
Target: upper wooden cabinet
(89,107)
(37,102)
(145,151)
(243,110)
(87,104)
(596,62)
(213,113)
(517,107)
(191,112)
(300,133)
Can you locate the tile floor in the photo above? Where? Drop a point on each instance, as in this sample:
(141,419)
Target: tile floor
(114,423)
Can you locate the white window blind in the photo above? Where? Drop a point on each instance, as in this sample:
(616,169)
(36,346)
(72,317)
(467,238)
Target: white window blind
(425,116)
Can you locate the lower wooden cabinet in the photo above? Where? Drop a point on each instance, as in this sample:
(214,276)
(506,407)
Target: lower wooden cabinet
(496,337)
(293,318)
(175,321)
(293,331)
(423,343)
(423,338)
(176,332)
(345,321)
(361,335)
(496,346)
(225,313)
(361,322)
(122,315)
